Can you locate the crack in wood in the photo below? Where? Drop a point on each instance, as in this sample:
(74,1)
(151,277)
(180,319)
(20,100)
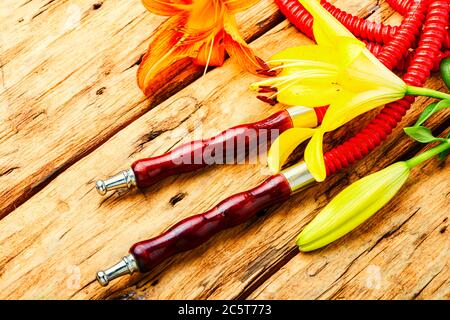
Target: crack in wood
(177,198)
(82,288)
(392,231)
(424,236)
(341,289)
(106,199)
(64,234)
(8,171)
(97,5)
(418,293)
(154,134)
(25,3)
(146,139)
(100,91)
(346,270)
(266,272)
(43,8)
(137,63)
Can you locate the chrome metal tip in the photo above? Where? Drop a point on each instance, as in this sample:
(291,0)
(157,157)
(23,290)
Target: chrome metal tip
(126,266)
(101,187)
(121,181)
(102,278)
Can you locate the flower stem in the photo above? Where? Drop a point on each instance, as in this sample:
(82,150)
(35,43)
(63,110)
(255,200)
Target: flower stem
(411,163)
(417,91)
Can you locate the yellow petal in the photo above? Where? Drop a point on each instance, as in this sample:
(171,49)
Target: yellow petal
(348,106)
(234,6)
(348,50)
(326,28)
(354,205)
(284,145)
(238,48)
(309,94)
(311,52)
(314,156)
(166,7)
(367,71)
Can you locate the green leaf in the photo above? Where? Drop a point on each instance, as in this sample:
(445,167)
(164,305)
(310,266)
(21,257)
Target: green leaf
(427,112)
(432,109)
(443,104)
(445,71)
(444,154)
(422,134)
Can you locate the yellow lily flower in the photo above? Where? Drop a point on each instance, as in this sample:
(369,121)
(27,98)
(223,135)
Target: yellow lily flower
(340,72)
(354,205)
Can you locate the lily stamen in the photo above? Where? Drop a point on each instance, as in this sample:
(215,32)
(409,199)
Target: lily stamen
(267,89)
(268,100)
(338,71)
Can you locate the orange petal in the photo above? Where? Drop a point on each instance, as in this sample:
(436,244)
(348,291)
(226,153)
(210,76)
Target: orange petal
(165,49)
(205,16)
(234,6)
(239,49)
(212,52)
(167,7)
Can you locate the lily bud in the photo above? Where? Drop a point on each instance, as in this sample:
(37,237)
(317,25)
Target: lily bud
(354,205)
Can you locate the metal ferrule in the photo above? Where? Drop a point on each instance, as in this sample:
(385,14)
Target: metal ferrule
(123,180)
(298,176)
(126,266)
(302,117)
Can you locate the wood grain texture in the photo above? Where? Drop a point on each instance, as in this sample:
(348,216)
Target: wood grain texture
(401,253)
(68,82)
(52,245)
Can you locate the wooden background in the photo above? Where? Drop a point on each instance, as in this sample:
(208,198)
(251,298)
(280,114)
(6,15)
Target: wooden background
(71,112)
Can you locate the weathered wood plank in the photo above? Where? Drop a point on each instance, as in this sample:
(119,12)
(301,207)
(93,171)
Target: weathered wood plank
(401,253)
(51,246)
(77,208)
(68,83)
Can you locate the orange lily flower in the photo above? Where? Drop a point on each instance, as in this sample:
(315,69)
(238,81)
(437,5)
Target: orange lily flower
(199,30)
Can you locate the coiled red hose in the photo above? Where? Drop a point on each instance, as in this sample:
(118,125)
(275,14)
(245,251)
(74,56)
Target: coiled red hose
(401,6)
(433,35)
(366,30)
(301,18)
(363,29)
(403,64)
(398,47)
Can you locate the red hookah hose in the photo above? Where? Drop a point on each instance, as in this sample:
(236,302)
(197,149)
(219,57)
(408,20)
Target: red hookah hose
(361,28)
(367,30)
(434,33)
(401,6)
(301,18)
(403,64)
(406,35)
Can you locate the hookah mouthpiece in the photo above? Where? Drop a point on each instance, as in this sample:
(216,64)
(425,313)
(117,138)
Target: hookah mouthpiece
(123,180)
(126,266)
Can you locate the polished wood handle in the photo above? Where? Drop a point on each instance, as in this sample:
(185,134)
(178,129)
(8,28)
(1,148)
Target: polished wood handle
(234,143)
(196,230)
